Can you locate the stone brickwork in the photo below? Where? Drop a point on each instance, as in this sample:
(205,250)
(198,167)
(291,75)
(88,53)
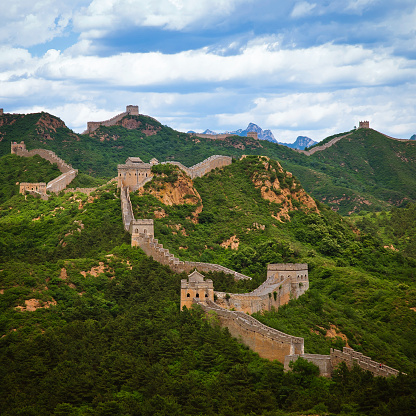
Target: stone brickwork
(62,181)
(321,361)
(323,146)
(285,281)
(254,135)
(269,343)
(153,248)
(16,147)
(135,173)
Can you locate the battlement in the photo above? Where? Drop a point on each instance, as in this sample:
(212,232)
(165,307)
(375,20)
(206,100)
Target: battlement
(364,125)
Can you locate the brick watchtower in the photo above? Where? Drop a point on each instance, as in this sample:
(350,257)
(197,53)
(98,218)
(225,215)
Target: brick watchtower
(364,125)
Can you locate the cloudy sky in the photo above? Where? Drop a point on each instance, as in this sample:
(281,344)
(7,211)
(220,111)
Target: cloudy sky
(311,68)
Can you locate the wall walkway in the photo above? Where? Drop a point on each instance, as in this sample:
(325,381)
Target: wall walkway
(68,172)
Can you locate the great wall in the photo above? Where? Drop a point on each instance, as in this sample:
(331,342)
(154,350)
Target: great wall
(41,188)
(283,283)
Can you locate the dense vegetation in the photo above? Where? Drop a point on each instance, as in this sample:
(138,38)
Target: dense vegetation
(15,169)
(364,171)
(107,336)
(116,343)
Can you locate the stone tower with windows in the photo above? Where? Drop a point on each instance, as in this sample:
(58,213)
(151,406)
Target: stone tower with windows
(196,287)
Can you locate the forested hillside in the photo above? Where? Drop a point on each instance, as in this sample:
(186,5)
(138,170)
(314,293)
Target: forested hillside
(90,326)
(365,170)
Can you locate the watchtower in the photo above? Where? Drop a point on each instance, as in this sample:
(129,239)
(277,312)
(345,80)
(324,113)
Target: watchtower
(15,147)
(196,287)
(364,125)
(138,227)
(253,135)
(133,110)
(1,111)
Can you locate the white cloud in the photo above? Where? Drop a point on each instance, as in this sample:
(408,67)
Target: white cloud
(302,9)
(323,65)
(102,16)
(28,22)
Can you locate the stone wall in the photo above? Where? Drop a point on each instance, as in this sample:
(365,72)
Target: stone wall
(62,181)
(68,172)
(153,248)
(351,357)
(364,125)
(45,154)
(321,361)
(196,287)
(323,146)
(269,343)
(327,363)
(126,208)
(93,125)
(285,281)
(138,227)
(202,168)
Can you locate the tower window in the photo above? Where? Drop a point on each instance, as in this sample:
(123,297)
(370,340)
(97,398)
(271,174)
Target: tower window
(197,295)
(188,295)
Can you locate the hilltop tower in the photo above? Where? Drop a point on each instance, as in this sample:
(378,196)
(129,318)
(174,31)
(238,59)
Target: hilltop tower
(364,125)
(133,110)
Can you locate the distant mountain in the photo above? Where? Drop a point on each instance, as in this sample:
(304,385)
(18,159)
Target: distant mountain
(262,134)
(301,143)
(413,137)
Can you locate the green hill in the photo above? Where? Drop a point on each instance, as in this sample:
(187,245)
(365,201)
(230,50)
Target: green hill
(365,170)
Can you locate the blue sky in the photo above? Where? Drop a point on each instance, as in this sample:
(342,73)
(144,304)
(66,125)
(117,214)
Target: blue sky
(310,68)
